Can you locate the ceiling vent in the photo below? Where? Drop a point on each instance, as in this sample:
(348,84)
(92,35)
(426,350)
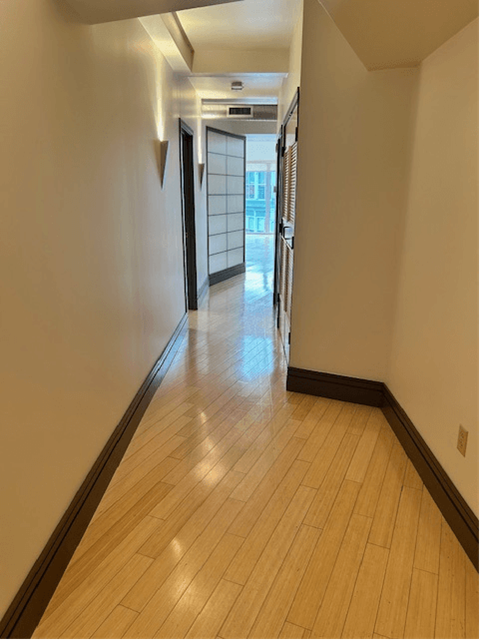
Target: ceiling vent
(265,112)
(242,112)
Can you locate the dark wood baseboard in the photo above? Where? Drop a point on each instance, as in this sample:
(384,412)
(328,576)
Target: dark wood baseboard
(329,385)
(457,513)
(455,510)
(202,292)
(28,606)
(220,276)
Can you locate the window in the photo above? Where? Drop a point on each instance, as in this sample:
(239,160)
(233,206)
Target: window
(261,200)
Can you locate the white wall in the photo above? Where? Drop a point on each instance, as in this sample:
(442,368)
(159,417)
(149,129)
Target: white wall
(354,145)
(242,127)
(261,148)
(292,81)
(228,61)
(90,252)
(433,370)
(386,266)
(191,113)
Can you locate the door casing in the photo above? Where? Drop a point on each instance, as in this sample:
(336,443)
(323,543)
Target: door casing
(187,186)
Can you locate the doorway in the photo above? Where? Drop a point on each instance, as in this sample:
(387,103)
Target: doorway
(285,228)
(188,216)
(260,192)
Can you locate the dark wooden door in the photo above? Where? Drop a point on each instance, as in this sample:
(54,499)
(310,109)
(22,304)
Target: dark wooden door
(188,216)
(287,199)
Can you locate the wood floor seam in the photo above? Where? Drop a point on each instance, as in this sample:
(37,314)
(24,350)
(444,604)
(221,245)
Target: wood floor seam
(242,509)
(355,583)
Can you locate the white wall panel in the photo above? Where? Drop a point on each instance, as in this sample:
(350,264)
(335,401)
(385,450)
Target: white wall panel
(235,240)
(235,185)
(235,221)
(226,200)
(218,243)
(217,163)
(235,147)
(217,205)
(217,224)
(235,204)
(217,185)
(235,166)
(217,142)
(235,257)
(218,262)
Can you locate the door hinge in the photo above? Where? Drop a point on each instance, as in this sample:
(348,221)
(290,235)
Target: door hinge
(290,337)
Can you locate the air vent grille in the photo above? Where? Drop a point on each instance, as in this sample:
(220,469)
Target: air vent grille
(264,112)
(239,111)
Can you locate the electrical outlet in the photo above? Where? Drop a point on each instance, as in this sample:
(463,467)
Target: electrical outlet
(462,440)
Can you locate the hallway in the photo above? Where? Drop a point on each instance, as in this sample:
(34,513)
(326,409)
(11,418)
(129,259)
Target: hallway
(242,510)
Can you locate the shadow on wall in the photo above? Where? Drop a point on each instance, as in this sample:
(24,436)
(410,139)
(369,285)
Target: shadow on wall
(66,12)
(94,250)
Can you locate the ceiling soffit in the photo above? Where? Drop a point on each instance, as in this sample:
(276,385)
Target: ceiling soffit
(263,88)
(247,25)
(98,11)
(387,34)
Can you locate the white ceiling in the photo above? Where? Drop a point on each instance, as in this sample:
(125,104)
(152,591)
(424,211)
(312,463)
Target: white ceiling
(264,87)
(249,24)
(97,11)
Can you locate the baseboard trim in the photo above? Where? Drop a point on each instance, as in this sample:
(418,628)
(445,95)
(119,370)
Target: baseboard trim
(457,513)
(202,292)
(220,276)
(330,385)
(28,606)
(462,520)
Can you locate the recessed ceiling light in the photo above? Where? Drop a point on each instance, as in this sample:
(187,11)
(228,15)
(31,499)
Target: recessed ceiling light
(237,85)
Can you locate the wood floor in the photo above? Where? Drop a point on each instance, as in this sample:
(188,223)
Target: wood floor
(241,510)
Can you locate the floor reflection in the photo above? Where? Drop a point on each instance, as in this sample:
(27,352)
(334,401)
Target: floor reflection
(260,253)
(244,302)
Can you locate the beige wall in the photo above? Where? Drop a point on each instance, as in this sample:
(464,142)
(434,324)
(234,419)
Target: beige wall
(434,364)
(219,61)
(242,127)
(386,267)
(191,113)
(90,253)
(353,163)
(292,81)
(262,148)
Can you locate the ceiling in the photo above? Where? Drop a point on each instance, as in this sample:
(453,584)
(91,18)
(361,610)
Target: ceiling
(97,11)
(399,33)
(249,24)
(262,87)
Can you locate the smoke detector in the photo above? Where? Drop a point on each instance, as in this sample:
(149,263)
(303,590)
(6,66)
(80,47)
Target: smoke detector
(237,85)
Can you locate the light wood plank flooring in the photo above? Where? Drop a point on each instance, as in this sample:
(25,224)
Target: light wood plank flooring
(241,510)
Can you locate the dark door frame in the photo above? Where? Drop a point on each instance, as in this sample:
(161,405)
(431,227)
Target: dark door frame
(187,187)
(278,215)
(279,225)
